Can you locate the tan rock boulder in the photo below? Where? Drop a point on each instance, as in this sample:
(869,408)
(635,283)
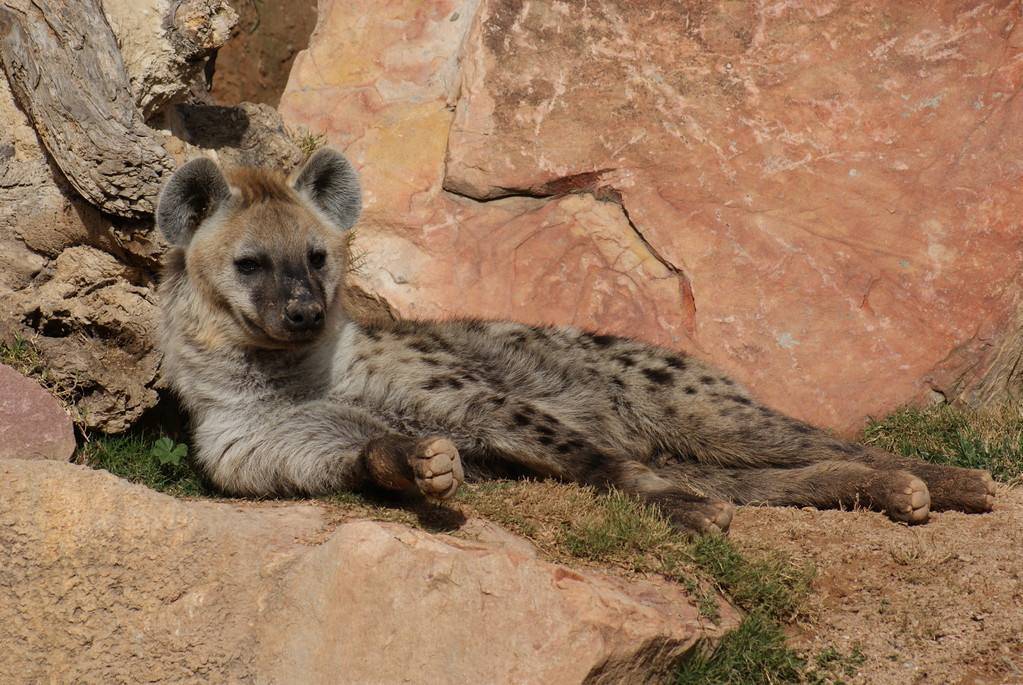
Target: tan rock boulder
(95,319)
(33,425)
(822,201)
(110,581)
(75,283)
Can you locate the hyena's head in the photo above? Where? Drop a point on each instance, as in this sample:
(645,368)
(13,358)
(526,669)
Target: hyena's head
(269,253)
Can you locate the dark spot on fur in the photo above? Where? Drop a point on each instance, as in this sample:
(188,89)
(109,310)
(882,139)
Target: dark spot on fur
(564,448)
(801,428)
(618,382)
(602,340)
(728,381)
(545,430)
(431,384)
(690,390)
(549,420)
(740,399)
(421,346)
(708,380)
(430,361)
(546,440)
(670,411)
(659,376)
(625,360)
(675,362)
(454,383)
(520,418)
(373,334)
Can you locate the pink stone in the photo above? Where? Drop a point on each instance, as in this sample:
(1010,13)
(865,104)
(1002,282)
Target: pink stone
(33,425)
(823,201)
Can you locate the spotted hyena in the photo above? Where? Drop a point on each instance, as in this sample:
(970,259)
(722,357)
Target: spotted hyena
(289,395)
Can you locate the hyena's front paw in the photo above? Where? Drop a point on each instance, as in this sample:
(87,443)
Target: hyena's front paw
(437,467)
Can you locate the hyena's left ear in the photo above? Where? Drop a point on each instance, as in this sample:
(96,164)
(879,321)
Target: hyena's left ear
(331,184)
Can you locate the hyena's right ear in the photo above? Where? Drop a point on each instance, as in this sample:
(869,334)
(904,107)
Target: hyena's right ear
(190,197)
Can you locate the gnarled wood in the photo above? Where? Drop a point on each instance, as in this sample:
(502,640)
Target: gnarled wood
(66,72)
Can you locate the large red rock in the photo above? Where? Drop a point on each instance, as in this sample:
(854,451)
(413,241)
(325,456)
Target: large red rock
(824,200)
(33,425)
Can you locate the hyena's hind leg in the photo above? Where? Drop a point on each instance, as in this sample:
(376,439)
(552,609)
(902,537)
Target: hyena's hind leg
(754,436)
(683,509)
(824,485)
(951,487)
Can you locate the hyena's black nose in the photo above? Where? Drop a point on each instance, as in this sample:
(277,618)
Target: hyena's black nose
(303,315)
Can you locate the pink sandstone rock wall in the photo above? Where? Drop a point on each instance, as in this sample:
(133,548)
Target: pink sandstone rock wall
(824,199)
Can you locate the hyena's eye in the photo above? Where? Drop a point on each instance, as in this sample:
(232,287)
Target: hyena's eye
(317,258)
(246,265)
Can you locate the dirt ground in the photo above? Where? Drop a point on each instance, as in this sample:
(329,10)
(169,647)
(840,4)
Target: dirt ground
(939,603)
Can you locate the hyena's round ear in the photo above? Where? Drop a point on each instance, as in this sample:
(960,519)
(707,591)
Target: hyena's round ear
(332,185)
(191,195)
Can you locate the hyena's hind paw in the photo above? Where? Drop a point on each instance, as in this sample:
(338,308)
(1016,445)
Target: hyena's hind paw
(902,496)
(958,489)
(694,514)
(437,467)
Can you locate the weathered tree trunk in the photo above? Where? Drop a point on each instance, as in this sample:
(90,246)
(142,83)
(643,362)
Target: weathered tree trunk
(164,45)
(66,72)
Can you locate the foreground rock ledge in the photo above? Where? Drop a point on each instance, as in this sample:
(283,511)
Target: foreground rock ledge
(105,581)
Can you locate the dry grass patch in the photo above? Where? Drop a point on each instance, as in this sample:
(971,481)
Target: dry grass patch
(989,439)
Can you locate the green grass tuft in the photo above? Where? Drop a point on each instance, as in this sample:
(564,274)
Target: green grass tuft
(754,653)
(768,584)
(770,589)
(948,434)
(621,527)
(132,456)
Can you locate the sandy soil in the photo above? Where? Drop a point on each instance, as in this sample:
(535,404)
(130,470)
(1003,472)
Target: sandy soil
(939,603)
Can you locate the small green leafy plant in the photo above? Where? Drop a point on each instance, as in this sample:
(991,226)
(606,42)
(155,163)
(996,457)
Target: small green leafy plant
(166,451)
(160,463)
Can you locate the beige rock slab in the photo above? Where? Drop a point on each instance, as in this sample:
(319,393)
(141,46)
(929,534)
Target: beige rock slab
(108,581)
